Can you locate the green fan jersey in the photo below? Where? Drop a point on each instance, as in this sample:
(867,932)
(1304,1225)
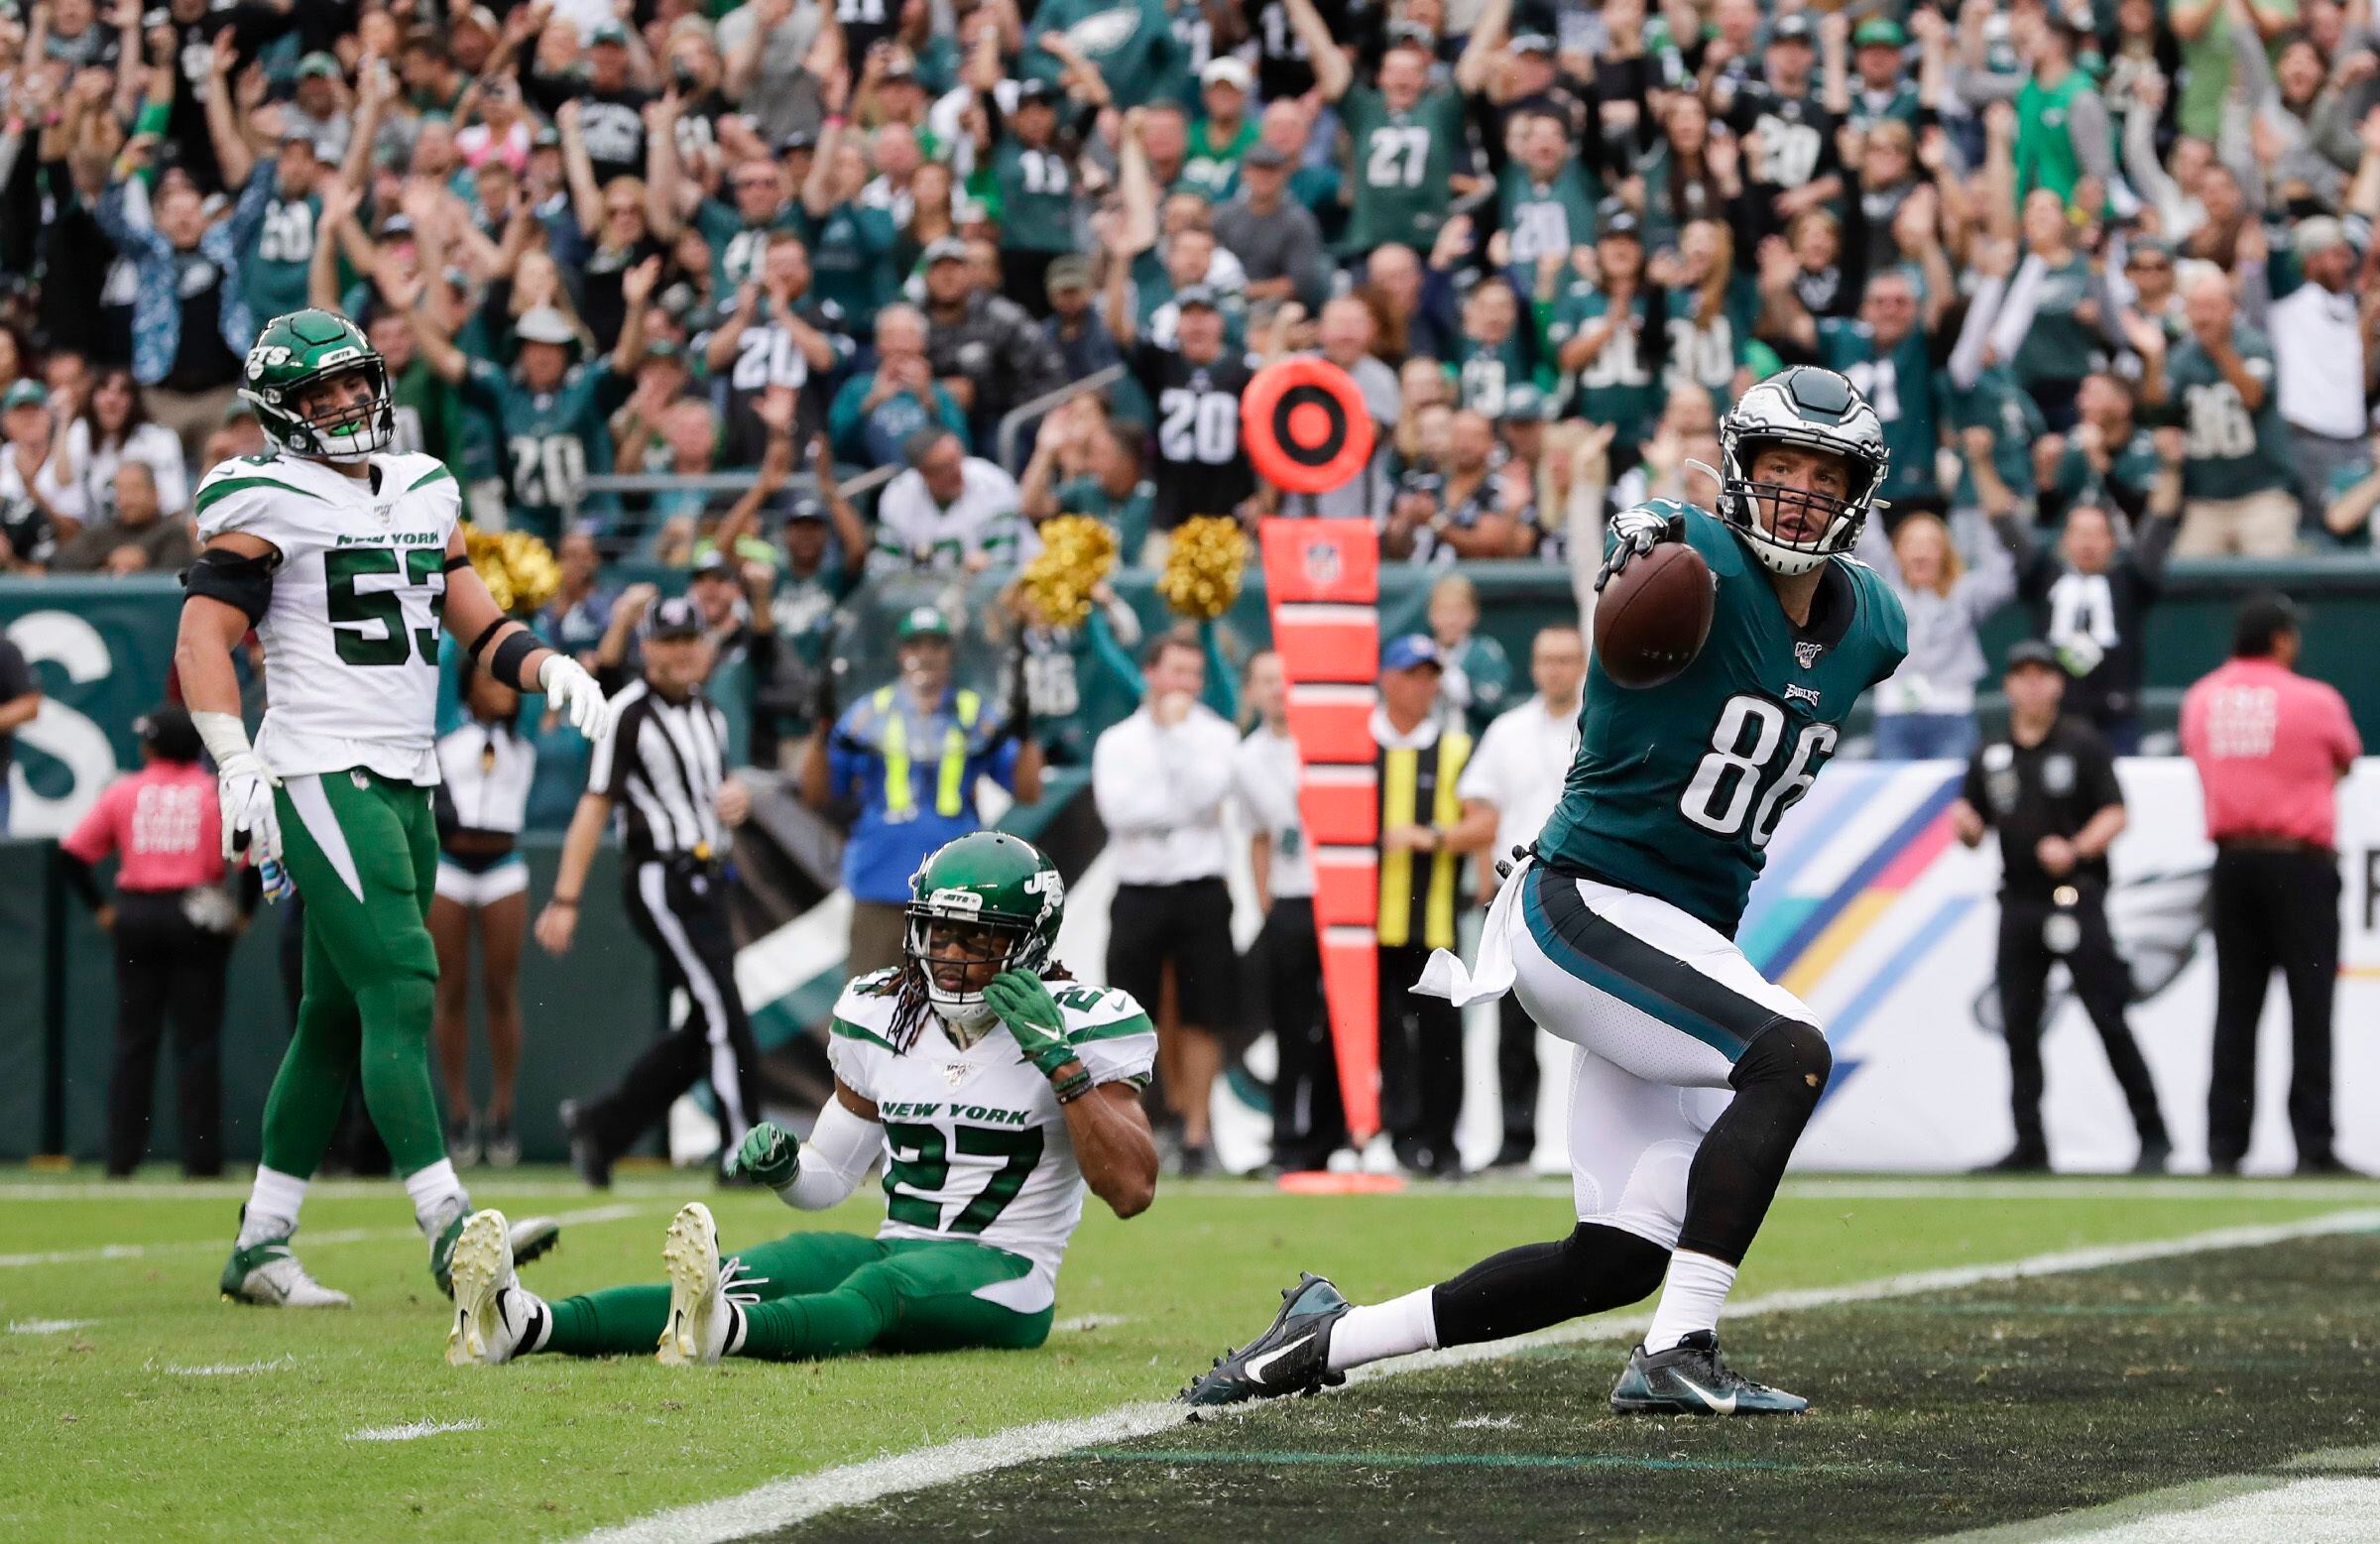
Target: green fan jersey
(1541,217)
(2232,452)
(1484,371)
(1404,164)
(737,247)
(1616,386)
(1996,403)
(1707,352)
(1869,108)
(1035,189)
(273,272)
(551,439)
(851,262)
(1213,164)
(1898,382)
(2131,472)
(2059,344)
(1677,788)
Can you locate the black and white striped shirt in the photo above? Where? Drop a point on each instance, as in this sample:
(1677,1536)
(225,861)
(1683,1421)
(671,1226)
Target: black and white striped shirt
(660,767)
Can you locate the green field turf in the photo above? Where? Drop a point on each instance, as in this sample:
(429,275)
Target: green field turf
(171,1414)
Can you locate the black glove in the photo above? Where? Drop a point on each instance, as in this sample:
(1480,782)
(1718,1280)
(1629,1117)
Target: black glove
(824,709)
(1505,864)
(1638,531)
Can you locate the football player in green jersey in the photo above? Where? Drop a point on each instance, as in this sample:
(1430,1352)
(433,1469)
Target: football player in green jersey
(1694,1076)
(993,1089)
(347,560)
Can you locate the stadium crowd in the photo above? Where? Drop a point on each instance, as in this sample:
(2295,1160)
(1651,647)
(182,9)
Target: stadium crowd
(785,296)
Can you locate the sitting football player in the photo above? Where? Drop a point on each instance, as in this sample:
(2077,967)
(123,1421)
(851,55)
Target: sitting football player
(993,1100)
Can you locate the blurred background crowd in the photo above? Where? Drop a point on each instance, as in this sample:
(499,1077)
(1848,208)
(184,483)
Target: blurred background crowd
(788,303)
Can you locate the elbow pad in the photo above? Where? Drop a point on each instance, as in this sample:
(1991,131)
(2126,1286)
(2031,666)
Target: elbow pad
(834,1160)
(235,579)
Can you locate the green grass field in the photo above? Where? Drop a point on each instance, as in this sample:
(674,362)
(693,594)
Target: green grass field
(133,1403)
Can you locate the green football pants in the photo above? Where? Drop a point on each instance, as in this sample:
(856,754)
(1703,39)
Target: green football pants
(363,851)
(828,1294)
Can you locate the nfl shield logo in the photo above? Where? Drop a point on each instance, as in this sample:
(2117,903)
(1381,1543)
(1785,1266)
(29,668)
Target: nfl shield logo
(955,1072)
(1321,562)
(1805,654)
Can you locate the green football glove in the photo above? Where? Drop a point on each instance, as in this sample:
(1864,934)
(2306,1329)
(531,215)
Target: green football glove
(770,1156)
(1024,1005)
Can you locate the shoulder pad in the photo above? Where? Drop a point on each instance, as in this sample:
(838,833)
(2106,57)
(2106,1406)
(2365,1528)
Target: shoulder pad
(248,493)
(865,1010)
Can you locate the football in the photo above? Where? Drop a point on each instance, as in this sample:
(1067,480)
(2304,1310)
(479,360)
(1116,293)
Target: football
(1652,618)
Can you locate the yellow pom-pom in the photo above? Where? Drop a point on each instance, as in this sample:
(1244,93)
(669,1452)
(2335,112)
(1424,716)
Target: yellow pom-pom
(1202,573)
(1077,552)
(517,568)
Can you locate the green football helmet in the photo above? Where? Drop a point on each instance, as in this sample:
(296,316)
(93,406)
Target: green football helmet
(988,879)
(304,349)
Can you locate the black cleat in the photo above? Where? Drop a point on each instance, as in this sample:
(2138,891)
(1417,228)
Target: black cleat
(594,1166)
(1292,1357)
(2020,1160)
(1690,1380)
(2156,1156)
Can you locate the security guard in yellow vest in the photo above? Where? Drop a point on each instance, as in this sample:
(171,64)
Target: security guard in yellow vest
(1421,855)
(907,757)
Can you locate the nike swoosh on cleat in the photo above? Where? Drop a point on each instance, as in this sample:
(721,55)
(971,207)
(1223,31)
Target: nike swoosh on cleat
(1718,1406)
(1258,1364)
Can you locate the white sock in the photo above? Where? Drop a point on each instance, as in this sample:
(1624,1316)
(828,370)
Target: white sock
(273,1203)
(1696,1291)
(735,1330)
(1396,1328)
(431,1189)
(544,1313)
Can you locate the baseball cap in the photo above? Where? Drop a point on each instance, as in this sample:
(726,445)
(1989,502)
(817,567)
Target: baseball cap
(921,621)
(675,618)
(900,69)
(1879,31)
(546,138)
(664,351)
(713,564)
(2318,234)
(1523,403)
(1031,94)
(804,508)
(1227,71)
(2031,650)
(1613,217)
(544,324)
(319,64)
(608,32)
(1195,295)
(1531,43)
(945,249)
(1412,653)
(1265,157)
(799,139)
(1068,273)
(478,16)
(1793,27)
(27,393)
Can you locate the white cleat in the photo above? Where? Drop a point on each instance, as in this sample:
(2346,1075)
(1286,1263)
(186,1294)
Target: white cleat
(700,1315)
(493,1317)
(267,1275)
(533,1237)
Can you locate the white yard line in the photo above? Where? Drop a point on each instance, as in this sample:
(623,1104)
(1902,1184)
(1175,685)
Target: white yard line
(45,1326)
(786,1501)
(585,1217)
(660,1184)
(411,1430)
(2222,1509)
(232,1368)
(1081,1323)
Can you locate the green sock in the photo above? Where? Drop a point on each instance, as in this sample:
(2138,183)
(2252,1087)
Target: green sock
(615,1322)
(818,1324)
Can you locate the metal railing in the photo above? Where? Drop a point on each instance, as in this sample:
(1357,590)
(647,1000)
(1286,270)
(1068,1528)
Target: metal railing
(1011,424)
(717,482)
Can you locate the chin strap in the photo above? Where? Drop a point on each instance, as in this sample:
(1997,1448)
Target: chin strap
(1712,472)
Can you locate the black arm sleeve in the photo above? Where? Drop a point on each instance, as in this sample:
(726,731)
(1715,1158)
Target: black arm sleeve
(1970,788)
(233,578)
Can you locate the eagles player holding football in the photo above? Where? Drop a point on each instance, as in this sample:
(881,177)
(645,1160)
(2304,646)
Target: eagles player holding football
(1693,1075)
(347,560)
(993,1087)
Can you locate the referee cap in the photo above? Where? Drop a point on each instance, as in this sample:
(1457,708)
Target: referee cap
(675,618)
(921,621)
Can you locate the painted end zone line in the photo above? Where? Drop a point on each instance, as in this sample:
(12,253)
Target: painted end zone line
(786,1501)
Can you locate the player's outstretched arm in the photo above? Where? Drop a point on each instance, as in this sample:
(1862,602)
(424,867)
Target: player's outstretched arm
(823,1171)
(513,653)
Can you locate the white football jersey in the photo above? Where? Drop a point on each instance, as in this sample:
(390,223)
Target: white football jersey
(914,532)
(976,1147)
(351,634)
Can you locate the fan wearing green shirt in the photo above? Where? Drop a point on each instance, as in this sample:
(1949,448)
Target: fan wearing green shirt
(1491,359)
(736,229)
(1545,198)
(1224,135)
(1032,190)
(851,243)
(1411,148)
(1606,339)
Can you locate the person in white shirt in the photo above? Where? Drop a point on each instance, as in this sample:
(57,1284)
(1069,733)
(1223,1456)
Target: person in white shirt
(950,512)
(1509,786)
(1159,780)
(1308,1122)
(2322,365)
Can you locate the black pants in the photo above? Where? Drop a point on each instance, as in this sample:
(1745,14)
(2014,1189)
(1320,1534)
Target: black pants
(1421,1063)
(2272,908)
(679,908)
(2102,980)
(1189,923)
(1516,1077)
(167,966)
(1308,1123)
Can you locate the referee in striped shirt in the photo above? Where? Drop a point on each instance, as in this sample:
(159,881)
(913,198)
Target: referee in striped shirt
(660,774)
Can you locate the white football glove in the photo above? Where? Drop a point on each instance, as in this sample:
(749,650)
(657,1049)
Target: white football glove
(574,694)
(244,788)
(1635,533)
